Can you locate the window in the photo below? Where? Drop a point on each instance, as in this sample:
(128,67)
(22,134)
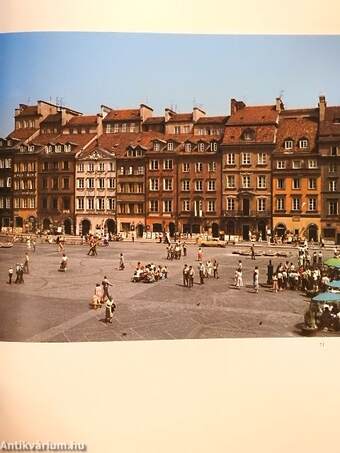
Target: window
(246,182)
(297,164)
(54,203)
(185,167)
(90,203)
(111,183)
(66,203)
(296,183)
(281,164)
(177,129)
(167,184)
(65,165)
(198,185)
(54,183)
(186,129)
(201,147)
(67,148)
(187,147)
(198,167)
(312,204)
(280,204)
(8,163)
(186,205)
(231,159)
(211,185)
(101,166)
(1,203)
(213,146)
(211,166)
(167,164)
(101,203)
(90,183)
(185,185)
(261,158)
(112,166)
(248,134)
(332,168)
(91,166)
(167,206)
(80,183)
(130,170)
(154,184)
(101,183)
(312,163)
(140,208)
(66,183)
(132,127)
(122,171)
(2,182)
(296,205)
(288,143)
(80,167)
(332,185)
(211,206)
(31,203)
(153,204)
(115,128)
(280,183)
(44,203)
(156,146)
(231,182)
(24,202)
(170,146)
(17,203)
(333,207)
(245,158)
(261,182)
(8,203)
(109,129)
(311,183)
(303,143)
(334,151)
(80,203)
(9,182)
(124,127)
(111,204)
(261,204)
(154,164)
(230,204)
(140,170)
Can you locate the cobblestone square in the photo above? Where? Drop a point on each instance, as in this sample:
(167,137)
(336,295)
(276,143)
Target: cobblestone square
(54,307)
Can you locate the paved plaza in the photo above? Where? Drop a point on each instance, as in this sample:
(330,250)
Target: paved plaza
(52,306)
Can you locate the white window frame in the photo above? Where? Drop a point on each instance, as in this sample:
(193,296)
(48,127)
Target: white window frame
(245,158)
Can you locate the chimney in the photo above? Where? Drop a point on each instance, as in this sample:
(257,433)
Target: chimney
(168,114)
(145,112)
(236,105)
(99,124)
(197,114)
(322,108)
(279,105)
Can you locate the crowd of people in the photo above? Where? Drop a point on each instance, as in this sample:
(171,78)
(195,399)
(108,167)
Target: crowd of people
(174,251)
(149,273)
(206,270)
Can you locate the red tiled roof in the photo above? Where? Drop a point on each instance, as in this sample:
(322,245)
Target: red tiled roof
(180,117)
(22,134)
(212,120)
(94,147)
(263,134)
(123,115)
(29,110)
(295,129)
(331,125)
(119,143)
(252,115)
(300,112)
(82,120)
(155,120)
(44,139)
(52,118)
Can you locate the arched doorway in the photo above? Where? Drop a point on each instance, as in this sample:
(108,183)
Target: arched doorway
(312,232)
(215,230)
(46,224)
(280,229)
(261,228)
(68,226)
(85,227)
(196,229)
(19,222)
(172,228)
(140,230)
(111,226)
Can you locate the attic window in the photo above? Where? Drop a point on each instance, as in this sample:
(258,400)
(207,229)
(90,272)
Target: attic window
(288,143)
(187,147)
(303,143)
(201,147)
(9,142)
(156,146)
(248,135)
(170,146)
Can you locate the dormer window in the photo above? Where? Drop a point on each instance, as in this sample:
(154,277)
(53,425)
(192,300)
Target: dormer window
(31,148)
(156,146)
(67,148)
(201,147)
(22,148)
(49,148)
(213,146)
(9,142)
(187,147)
(170,146)
(58,149)
(303,143)
(288,143)
(248,135)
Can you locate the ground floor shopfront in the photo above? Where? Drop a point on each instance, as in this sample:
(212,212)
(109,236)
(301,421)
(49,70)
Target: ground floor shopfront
(330,230)
(301,226)
(247,228)
(131,225)
(95,223)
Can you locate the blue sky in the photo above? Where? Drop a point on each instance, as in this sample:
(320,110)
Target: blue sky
(123,70)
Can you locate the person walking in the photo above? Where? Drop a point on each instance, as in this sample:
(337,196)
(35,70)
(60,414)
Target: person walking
(184,246)
(17,273)
(275,283)
(270,271)
(63,264)
(252,251)
(105,285)
(238,279)
(185,275)
(215,268)
(10,275)
(201,273)
(26,268)
(34,245)
(256,279)
(199,254)
(109,309)
(121,262)
(191,277)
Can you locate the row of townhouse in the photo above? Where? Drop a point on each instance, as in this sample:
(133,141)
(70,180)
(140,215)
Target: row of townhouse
(259,169)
